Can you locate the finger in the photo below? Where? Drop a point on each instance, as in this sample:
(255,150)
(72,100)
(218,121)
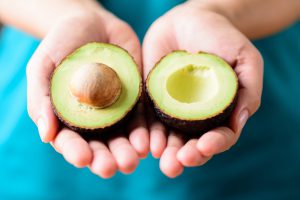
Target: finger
(126,157)
(138,132)
(40,110)
(249,70)
(103,163)
(216,141)
(158,133)
(169,163)
(73,147)
(158,139)
(190,156)
(47,122)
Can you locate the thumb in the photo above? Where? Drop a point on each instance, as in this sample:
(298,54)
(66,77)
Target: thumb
(249,69)
(39,70)
(157,43)
(46,121)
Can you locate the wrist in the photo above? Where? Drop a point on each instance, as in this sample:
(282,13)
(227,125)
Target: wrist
(247,15)
(227,9)
(205,12)
(38,17)
(84,12)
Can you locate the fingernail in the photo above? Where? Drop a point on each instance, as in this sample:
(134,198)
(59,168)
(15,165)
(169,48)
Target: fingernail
(41,128)
(243,117)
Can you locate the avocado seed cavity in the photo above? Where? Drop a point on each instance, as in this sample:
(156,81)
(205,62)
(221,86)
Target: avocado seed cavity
(96,85)
(193,84)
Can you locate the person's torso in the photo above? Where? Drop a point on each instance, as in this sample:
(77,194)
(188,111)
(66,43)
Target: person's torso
(264,164)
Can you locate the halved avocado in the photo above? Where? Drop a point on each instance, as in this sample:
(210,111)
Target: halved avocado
(95,88)
(192,92)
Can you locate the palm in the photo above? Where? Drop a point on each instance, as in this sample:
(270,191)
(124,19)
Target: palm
(119,153)
(186,28)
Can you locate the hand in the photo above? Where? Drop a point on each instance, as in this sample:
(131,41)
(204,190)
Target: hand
(67,35)
(195,29)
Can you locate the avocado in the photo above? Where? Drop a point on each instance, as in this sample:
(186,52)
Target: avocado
(95,88)
(193,93)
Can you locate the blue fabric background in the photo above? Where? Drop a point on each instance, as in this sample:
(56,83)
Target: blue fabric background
(265,164)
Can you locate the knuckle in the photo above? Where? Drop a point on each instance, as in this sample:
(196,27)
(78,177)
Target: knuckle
(256,104)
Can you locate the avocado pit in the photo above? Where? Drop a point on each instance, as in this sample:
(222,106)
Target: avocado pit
(96,85)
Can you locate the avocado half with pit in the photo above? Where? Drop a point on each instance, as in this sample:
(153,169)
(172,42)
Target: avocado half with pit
(192,92)
(95,88)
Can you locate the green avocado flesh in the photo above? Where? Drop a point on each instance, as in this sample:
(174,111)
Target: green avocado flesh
(191,87)
(78,115)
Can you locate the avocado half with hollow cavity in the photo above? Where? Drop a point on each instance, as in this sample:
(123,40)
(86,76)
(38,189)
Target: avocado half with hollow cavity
(192,92)
(95,88)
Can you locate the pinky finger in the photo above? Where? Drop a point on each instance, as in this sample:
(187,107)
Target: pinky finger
(103,163)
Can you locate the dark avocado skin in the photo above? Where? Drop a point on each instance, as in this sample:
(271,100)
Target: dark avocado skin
(97,133)
(193,128)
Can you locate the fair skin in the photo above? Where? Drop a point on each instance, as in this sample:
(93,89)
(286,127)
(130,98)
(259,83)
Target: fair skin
(222,28)
(199,25)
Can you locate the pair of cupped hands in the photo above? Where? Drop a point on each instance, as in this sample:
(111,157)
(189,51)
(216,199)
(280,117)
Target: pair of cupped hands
(186,27)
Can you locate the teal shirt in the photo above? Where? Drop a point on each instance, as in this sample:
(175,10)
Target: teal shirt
(265,163)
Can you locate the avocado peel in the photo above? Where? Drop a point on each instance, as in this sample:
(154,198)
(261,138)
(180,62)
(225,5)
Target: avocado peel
(192,88)
(84,107)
